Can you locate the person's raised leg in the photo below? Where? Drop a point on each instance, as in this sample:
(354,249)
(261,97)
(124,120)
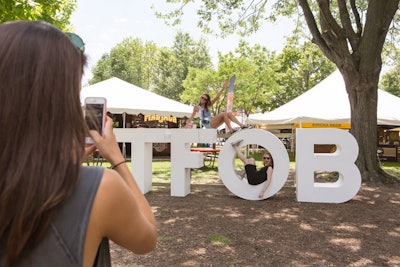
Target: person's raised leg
(227,122)
(234,119)
(241,174)
(217,121)
(239,153)
(235,145)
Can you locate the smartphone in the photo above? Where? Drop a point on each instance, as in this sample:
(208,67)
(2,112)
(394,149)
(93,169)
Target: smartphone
(95,115)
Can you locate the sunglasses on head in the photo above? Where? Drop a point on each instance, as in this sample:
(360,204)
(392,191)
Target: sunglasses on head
(76,40)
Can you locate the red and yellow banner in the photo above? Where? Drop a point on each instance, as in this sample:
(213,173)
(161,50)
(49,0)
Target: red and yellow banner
(160,118)
(322,125)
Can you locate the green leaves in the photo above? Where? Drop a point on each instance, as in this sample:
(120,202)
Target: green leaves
(264,80)
(131,60)
(160,70)
(390,81)
(56,12)
(174,64)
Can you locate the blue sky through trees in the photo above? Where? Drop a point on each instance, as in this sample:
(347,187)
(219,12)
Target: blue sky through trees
(102,25)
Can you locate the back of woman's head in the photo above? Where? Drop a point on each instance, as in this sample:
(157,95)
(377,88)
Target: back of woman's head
(41,129)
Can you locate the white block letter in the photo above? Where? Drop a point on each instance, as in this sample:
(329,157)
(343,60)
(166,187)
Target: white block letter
(182,160)
(241,188)
(342,161)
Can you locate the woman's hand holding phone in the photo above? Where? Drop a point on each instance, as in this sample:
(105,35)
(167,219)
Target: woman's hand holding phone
(107,143)
(89,149)
(95,113)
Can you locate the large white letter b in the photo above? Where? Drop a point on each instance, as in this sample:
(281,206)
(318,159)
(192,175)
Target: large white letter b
(342,161)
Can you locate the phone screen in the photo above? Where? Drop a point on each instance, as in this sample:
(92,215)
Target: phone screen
(94,116)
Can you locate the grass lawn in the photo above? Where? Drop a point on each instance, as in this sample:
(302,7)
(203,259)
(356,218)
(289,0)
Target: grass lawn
(162,171)
(205,175)
(392,168)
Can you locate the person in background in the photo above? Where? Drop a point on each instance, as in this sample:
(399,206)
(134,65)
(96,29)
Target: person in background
(140,121)
(254,176)
(207,120)
(53,210)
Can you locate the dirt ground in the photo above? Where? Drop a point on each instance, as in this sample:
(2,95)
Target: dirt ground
(213,227)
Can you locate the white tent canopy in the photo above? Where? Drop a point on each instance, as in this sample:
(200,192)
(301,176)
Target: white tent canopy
(125,97)
(327,102)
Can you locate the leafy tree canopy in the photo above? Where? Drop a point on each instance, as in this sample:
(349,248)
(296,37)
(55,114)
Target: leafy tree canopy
(352,34)
(56,12)
(173,65)
(159,69)
(390,81)
(264,80)
(131,60)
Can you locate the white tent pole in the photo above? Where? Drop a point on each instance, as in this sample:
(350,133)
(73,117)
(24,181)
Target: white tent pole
(123,126)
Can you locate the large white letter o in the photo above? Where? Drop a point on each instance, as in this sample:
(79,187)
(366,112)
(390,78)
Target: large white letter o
(241,188)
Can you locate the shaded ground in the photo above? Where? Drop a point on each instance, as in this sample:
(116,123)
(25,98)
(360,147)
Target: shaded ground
(213,227)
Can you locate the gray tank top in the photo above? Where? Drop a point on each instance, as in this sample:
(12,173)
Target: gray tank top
(64,243)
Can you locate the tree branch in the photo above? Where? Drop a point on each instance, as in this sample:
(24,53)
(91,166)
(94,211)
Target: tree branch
(346,23)
(356,17)
(316,34)
(328,22)
(256,13)
(379,17)
(332,40)
(334,36)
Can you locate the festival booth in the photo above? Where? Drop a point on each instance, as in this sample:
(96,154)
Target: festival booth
(326,105)
(133,107)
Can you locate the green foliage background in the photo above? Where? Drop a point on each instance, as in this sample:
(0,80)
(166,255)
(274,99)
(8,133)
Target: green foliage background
(56,12)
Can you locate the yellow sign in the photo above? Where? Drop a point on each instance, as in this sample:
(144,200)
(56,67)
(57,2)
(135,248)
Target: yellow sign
(160,118)
(322,125)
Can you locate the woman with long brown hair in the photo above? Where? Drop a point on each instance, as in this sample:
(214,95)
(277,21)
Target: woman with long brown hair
(255,176)
(54,211)
(207,120)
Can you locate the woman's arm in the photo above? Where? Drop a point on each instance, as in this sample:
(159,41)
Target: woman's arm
(224,86)
(121,213)
(190,120)
(269,178)
(120,210)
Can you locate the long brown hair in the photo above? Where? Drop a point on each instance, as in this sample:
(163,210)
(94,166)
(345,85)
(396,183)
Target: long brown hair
(208,101)
(271,160)
(42,130)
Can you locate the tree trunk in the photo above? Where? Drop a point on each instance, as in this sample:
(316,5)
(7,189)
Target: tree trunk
(357,54)
(363,97)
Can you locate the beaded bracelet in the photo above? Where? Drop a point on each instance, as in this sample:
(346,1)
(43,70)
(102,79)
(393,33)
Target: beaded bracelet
(116,165)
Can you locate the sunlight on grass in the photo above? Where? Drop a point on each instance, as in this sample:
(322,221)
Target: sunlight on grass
(165,238)
(161,171)
(392,168)
(217,239)
(205,175)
